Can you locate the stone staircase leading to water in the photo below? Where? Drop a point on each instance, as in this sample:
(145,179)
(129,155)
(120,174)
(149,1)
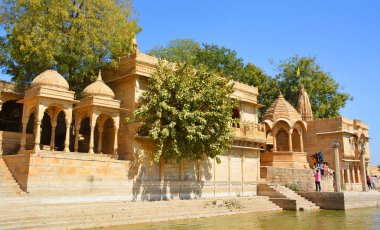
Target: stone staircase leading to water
(49,213)
(285,197)
(8,185)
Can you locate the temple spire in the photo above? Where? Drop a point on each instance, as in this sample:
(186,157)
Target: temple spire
(99,76)
(135,45)
(304,106)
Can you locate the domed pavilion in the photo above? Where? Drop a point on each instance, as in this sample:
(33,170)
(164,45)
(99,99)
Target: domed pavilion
(47,101)
(97,118)
(286,128)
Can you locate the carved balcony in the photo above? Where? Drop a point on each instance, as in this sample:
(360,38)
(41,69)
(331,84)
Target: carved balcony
(248,131)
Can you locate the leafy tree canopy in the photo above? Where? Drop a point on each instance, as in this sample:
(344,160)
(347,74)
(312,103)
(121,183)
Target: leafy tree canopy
(186,111)
(323,90)
(217,58)
(74,37)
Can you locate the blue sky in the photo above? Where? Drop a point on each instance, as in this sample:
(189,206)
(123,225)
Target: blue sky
(343,35)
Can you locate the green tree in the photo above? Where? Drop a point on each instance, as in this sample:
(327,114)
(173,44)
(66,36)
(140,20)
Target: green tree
(267,86)
(223,60)
(217,58)
(179,50)
(186,111)
(323,90)
(74,37)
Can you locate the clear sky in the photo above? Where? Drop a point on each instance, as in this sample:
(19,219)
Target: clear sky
(343,35)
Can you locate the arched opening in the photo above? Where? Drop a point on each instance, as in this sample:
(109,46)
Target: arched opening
(108,136)
(84,135)
(296,143)
(235,113)
(45,131)
(60,131)
(236,117)
(10,116)
(30,130)
(104,135)
(282,140)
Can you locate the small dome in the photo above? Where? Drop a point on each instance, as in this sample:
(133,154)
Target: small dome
(50,78)
(282,109)
(98,88)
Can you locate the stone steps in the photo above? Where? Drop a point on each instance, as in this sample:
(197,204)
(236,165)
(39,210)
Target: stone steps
(286,198)
(8,185)
(94,214)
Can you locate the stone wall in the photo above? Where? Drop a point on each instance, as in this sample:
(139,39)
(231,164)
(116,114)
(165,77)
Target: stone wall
(343,201)
(10,142)
(57,173)
(300,179)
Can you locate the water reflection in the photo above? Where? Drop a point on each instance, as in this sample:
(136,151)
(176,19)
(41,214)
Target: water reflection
(318,220)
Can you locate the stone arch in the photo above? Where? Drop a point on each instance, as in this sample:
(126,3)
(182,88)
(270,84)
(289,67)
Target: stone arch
(11,116)
(296,141)
(46,129)
(281,124)
(268,125)
(236,113)
(84,134)
(282,137)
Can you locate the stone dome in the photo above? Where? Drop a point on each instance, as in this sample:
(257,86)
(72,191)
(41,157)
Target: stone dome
(50,78)
(282,109)
(98,88)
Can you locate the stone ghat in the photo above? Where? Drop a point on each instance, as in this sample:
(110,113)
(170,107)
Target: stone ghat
(97,211)
(298,179)
(57,173)
(343,200)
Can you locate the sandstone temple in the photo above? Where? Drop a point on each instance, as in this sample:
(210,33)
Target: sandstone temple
(54,144)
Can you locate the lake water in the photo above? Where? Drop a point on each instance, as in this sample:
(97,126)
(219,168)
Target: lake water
(321,220)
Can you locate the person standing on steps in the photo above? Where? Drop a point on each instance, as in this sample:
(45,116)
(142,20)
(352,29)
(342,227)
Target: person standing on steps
(317,179)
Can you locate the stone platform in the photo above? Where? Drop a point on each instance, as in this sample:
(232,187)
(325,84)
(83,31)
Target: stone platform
(343,200)
(69,174)
(76,212)
(58,173)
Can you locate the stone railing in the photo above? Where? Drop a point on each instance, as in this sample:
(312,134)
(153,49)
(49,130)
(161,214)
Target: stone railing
(249,131)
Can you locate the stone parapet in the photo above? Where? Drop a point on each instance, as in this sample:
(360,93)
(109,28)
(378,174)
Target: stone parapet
(343,200)
(298,179)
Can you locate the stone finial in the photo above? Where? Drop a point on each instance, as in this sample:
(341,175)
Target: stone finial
(135,45)
(304,105)
(99,76)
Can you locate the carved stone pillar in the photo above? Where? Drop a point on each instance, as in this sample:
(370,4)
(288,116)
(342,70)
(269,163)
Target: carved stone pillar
(37,136)
(274,144)
(100,131)
(37,127)
(68,117)
(23,134)
(290,140)
(53,126)
(363,172)
(353,173)
(1,143)
(338,184)
(301,141)
(77,128)
(92,128)
(115,144)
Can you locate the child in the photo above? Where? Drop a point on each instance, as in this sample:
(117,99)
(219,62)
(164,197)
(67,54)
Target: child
(369,183)
(317,179)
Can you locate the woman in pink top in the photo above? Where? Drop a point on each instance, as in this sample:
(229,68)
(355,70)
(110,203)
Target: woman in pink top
(317,179)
